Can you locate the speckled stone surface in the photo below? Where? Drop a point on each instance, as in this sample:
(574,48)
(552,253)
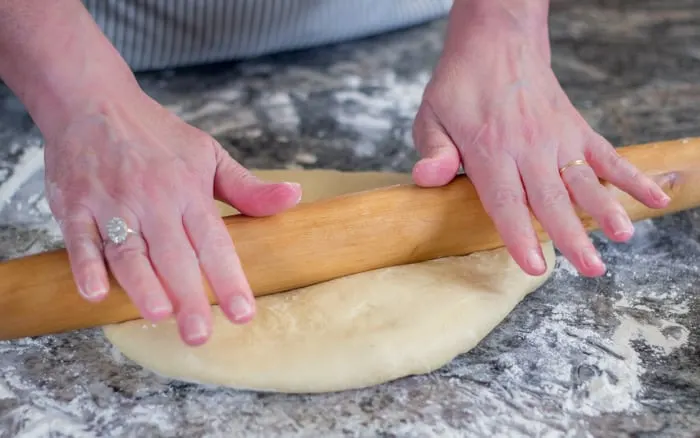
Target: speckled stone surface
(616,356)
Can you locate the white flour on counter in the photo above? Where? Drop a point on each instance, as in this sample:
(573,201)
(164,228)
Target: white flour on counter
(31,162)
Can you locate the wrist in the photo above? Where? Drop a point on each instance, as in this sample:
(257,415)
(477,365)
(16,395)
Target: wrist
(521,16)
(498,23)
(58,97)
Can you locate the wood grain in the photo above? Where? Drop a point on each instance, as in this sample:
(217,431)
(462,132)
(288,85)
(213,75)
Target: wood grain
(327,239)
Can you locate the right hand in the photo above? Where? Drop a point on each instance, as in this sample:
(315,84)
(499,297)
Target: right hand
(129,157)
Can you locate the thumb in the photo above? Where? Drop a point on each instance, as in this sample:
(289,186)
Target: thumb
(237,186)
(439,161)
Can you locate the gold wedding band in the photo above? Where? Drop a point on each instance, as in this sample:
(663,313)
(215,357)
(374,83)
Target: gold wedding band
(572,164)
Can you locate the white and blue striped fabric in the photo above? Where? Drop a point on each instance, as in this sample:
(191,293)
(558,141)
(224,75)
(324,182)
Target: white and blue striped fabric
(154,34)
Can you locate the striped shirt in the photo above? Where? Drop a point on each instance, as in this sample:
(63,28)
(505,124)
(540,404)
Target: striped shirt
(154,34)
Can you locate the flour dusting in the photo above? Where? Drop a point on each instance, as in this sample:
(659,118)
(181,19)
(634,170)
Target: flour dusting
(372,110)
(616,384)
(31,161)
(611,382)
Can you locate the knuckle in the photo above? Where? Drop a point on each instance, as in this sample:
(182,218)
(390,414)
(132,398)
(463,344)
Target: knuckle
(217,241)
(155,193)
(614,159)
(189,294)
(216,248)
(505,198)
(566,238)
(172,255)
(75,228)
(580,176)
(627,171)
(139,286)
(80,209)
(618,164)
(485,154)
(84,267)
(482,142)
(632,173)
(569,244)
(132,248)
(608,214)
(530,132)
(611,208)
(516,232)
(603,208)
(82,246)
(552,195)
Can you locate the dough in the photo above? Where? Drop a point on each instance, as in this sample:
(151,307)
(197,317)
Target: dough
(352,332)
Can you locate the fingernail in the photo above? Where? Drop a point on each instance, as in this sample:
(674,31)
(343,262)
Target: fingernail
(93,287)
(534,259)
(158,306)
(240,308)
(591,259)
(621,225)
(662,197)
(296,186)
(195,328)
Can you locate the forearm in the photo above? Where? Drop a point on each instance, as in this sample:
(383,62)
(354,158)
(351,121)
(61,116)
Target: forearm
(54,57)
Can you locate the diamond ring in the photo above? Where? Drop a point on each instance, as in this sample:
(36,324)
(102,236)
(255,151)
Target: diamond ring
(118,231)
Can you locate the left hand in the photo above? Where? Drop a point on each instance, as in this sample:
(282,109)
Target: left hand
(495,106)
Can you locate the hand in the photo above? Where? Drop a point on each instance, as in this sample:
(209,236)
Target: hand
(495,106)
(131,158)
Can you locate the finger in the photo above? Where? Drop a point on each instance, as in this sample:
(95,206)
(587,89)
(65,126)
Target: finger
(498,184)
(177,266)
(439,157)
(237,186)
(84,247)
(586,191)
(612,167)
(131,267)
(220,263)
(552,206)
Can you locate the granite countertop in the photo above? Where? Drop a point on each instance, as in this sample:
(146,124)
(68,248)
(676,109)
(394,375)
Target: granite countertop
(615,356)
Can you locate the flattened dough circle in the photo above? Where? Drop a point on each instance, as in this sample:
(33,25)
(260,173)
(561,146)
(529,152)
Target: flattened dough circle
(352,332)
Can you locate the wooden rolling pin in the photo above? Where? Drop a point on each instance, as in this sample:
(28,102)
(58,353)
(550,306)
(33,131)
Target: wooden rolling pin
(323,240)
